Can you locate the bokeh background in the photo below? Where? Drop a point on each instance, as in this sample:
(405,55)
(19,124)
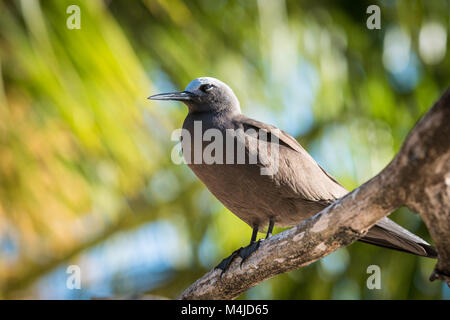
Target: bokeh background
(86,176)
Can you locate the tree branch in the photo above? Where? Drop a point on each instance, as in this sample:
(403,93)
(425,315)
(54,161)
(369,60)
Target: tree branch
(418,177)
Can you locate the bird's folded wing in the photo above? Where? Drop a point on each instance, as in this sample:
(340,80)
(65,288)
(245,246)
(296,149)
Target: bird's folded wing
(311,181)
(386,233)
(283,137)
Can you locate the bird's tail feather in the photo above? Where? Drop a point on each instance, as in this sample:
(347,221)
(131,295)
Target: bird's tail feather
(386,233)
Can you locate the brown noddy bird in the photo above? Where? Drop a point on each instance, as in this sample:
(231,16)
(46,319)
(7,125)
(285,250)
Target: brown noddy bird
(295,191)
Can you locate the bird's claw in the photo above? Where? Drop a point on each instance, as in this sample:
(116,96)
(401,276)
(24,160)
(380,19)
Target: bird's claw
(243,252)
(225,263)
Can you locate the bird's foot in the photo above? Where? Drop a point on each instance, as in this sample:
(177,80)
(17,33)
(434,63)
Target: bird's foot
(243,252)
(225,263)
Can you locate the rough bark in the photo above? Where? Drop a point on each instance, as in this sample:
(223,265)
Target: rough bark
(418,177)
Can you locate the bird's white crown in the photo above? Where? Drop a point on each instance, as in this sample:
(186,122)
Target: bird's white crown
(196,83)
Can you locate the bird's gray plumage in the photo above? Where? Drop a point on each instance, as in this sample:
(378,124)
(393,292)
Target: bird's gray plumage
(296,191)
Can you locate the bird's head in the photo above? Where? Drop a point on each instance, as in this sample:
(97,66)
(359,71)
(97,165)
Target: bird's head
(204,95)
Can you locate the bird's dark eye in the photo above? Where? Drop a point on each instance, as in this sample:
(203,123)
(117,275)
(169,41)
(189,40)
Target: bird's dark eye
(206,87)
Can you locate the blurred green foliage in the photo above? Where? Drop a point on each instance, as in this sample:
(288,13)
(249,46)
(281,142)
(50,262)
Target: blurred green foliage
(85,158)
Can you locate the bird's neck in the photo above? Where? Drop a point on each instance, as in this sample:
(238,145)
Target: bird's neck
(224,112)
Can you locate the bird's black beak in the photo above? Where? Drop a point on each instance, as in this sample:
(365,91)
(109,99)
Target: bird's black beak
(177,96)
